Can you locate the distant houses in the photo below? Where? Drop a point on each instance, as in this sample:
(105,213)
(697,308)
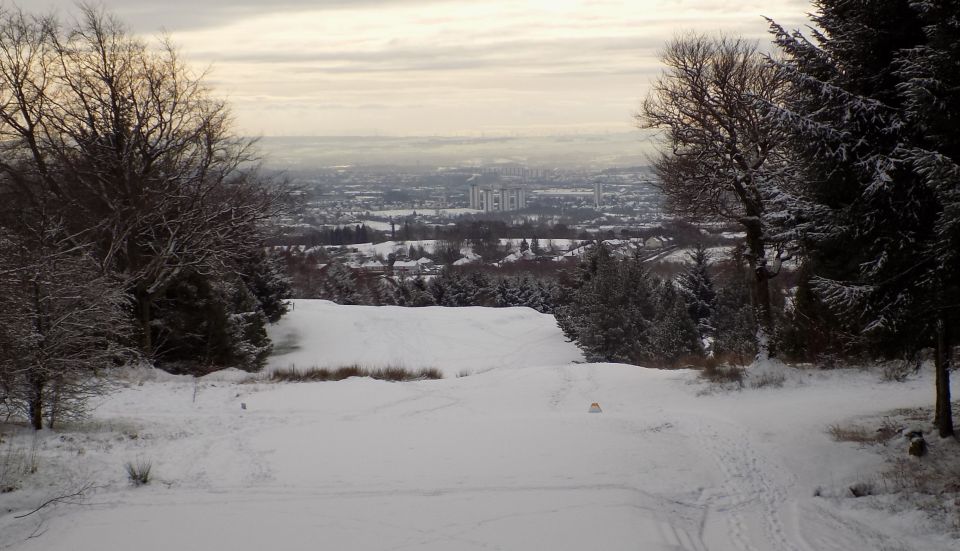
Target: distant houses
(374,267)
(421,266)
(367,262)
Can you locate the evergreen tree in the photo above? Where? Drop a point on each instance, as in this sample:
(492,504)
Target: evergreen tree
(438,288)
(545,296)
(341,285)
(673,333)
(610,309)
(265,278)
(419,295)
(224,326)
(873,122)
(482,289)
(505,294)
(696,288)
(732,320)
(402,295)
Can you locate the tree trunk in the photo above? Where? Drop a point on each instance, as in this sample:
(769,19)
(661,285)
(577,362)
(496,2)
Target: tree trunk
(143,300)
(943,416)
(761,292)
(35,378)
(53,405)
(35,404)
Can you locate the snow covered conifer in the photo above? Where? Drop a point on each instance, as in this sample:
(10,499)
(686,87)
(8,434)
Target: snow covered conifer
(873,121)
(732,319)
(696,288)
(419,294)
(673,333)
(482,289)
(266,279)
(610,309)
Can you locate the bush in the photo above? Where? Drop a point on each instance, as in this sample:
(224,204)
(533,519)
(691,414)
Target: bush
(897,371)
(16,463)
(139,472)
(723,374)
(389,373)
(861,435)
(774,380)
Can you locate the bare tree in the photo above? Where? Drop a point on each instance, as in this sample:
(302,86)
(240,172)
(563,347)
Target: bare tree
(61,321)
(128,142)
(721,152)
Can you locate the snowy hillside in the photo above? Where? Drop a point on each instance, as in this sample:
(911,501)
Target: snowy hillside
(508,458)
(457,341)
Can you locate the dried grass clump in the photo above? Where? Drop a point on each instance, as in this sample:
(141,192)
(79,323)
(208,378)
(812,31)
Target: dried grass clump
(389,373)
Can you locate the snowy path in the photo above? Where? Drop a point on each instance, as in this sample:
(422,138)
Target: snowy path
(508,459)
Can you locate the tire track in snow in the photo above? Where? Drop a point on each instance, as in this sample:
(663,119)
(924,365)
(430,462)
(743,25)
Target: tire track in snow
(752,489)
(566,386)
(836,532)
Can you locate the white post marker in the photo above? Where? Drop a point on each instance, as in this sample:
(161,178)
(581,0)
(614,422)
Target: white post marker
(595,408)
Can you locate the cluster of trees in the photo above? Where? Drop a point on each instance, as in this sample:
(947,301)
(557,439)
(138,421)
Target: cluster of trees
(131,217)
(339,283)
(841,148)
(345,235)
(484,235)
(451,287)
(477,288)
(616,310)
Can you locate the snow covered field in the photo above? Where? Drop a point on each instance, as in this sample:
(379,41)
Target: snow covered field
(457,341)
(507,458)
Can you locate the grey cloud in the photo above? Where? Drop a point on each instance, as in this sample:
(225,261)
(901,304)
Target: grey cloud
(586,55)
(151,16)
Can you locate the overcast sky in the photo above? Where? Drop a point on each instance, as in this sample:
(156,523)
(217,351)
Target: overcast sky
(440,67)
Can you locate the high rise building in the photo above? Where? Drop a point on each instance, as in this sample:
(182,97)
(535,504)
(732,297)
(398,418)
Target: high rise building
(497,197)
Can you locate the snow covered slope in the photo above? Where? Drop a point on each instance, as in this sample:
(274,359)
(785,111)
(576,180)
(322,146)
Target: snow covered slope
(318,333)
(505,459)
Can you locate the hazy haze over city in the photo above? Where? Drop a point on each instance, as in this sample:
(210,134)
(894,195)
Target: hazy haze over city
(421,67)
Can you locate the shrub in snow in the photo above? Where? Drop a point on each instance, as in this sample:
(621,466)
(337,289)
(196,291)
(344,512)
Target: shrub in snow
(62,320)
(723,374)
(389,373)
(138,472)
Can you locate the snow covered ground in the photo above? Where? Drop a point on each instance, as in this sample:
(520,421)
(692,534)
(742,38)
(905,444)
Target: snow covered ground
(507,458)
(457,341)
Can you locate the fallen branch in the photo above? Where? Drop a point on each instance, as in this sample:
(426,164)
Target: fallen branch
(60,499)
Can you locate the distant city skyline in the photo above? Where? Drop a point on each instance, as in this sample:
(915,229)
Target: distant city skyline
(433,67)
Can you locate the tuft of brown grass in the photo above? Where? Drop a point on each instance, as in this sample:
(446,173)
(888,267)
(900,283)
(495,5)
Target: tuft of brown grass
(139,472)
(863,435)
(389,373)
(723,374)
